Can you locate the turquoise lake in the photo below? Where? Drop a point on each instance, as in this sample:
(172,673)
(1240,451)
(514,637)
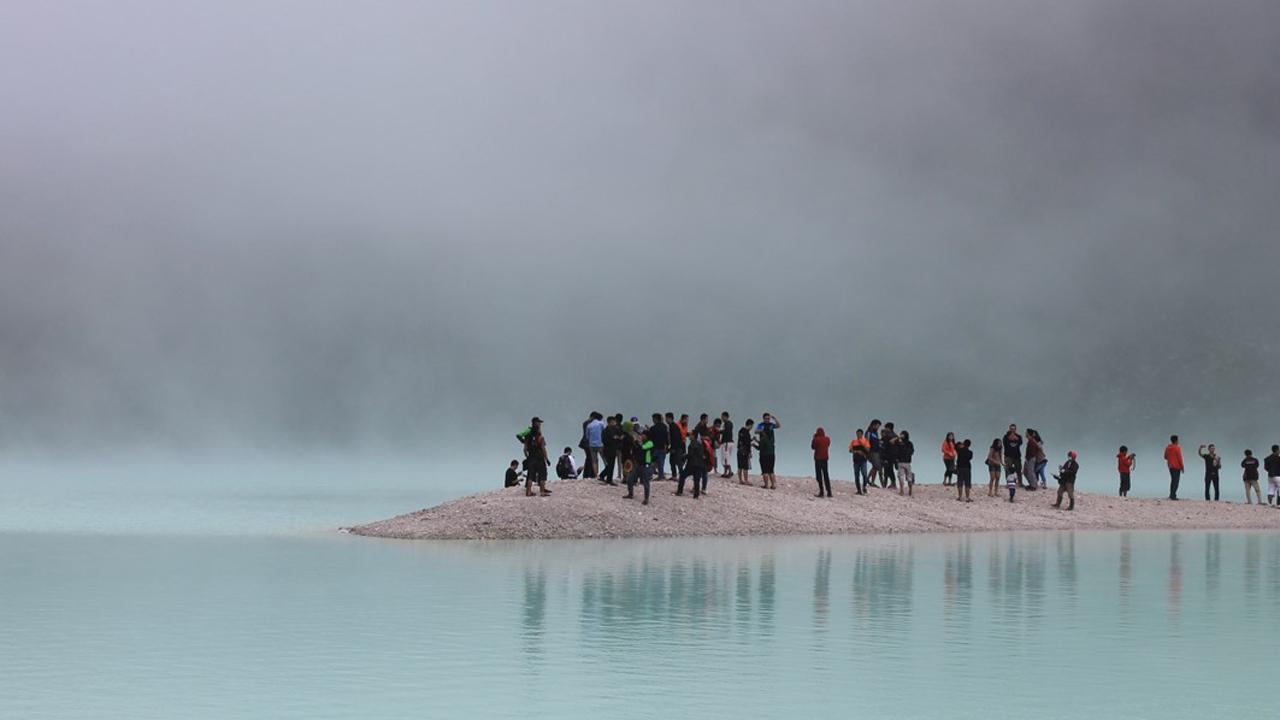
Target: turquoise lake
(227,595)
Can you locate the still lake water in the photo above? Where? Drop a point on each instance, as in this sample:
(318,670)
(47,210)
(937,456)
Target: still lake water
(231,601)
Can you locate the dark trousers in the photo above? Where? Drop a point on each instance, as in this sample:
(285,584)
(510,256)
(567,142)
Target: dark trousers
(610,461)
(699,480)
(640,472)
(1174,476)
(822,472)
(677,461)
(1211,480)
(660,463)
(1069,489)
(950,465)
(1124,484)
(860,475)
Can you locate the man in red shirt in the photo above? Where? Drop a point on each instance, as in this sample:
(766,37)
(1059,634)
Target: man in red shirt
(1173,456)
(821,445)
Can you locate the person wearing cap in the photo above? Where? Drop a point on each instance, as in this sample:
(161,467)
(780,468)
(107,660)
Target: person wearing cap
(1066,478)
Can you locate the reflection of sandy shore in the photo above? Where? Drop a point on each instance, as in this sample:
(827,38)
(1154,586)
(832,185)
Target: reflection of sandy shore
(586,509)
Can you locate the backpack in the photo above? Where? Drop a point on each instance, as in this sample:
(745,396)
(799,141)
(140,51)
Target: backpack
(563,470)
(522,437)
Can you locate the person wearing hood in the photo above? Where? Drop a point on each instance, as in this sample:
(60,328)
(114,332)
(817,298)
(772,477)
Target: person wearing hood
(821,445)
(1066,478)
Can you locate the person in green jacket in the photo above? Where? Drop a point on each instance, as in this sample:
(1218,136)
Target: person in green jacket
(642,468)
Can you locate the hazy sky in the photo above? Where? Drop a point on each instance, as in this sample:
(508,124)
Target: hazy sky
(335,224)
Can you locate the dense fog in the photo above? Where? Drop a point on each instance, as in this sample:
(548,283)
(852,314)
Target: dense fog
(387,225)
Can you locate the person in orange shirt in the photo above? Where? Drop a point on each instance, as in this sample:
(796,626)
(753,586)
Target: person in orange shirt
(1173,456)
(949,457)
(860,448)
(1124,463)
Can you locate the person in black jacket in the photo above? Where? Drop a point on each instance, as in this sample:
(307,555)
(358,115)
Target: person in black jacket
(612,445)
(1066,478)
(696,466)
(1212,464)
(659,435)
(1272,464)
(1250,465)
(675,445)
(964,470)
(888,459)
(902,455)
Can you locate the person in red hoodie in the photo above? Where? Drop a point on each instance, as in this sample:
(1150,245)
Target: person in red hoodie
(821,445)
(1173,456)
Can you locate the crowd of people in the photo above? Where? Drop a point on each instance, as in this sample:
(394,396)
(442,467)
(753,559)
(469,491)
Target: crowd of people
(619,451)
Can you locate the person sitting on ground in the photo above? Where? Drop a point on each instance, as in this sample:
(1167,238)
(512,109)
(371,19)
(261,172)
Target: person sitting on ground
(1273,476)
(566,467)
(1125,461)
(1250,465)
(964,470)
(1212,464)
(1066,478)
(513,475)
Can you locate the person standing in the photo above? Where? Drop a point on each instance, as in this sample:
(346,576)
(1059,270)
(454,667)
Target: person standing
(726,444)
(902,454)
(536,460)
(821,445)
(1212,464)
(1173,458)
(859,448)
(1250,465)
(744,452)
(675,438)
(1066,478)
(948,458)
(873,455)
(611,449)
(766,441)
(1029,463)
(964,470)
(1273,477)
(1012,444)
(641,468)
(1042,460)
(888,456)
(1124,463)
(696,463)
(594,432)
(659,433)
(994,463)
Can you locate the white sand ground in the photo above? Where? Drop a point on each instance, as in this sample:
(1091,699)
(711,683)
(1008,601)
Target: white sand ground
(588,509)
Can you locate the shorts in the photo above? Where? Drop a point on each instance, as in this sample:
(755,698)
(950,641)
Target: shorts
(744,461)
(766,464)
(964,477)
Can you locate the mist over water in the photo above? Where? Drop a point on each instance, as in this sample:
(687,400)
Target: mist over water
(274,227)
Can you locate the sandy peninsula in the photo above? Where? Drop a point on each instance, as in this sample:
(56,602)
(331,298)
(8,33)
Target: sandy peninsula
(587,509)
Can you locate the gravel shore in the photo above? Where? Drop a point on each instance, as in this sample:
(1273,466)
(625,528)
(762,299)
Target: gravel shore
(588,509)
